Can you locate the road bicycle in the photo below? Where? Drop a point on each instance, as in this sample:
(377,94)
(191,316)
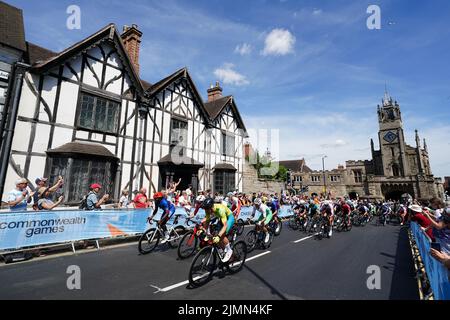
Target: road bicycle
(297,222)
(345,224)
(256,238)
(324,227)
(210,258)
(149,240)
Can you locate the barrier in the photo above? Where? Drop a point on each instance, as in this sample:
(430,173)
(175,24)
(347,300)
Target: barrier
(30,228)
(437,274)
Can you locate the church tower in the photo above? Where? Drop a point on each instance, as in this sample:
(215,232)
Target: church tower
(392,139)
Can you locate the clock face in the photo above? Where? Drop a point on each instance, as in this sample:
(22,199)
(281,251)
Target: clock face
(390,137)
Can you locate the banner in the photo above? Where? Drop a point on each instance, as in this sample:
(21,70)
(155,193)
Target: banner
(30,228)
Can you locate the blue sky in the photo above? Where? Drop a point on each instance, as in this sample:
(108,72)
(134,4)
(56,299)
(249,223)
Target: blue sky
(310,69)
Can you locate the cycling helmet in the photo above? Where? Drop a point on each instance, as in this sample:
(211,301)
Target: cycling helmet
(257,201)
(302,201)
(230,195)
(208,203)
(200,198)
(158,195)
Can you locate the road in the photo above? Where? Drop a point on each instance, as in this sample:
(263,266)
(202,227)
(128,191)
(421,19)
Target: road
(292,268)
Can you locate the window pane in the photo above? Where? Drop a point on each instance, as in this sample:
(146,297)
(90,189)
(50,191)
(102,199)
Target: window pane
(100,115)
(87,106)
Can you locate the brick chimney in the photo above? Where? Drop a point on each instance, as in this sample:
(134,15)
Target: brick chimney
(131,38)
(215,92)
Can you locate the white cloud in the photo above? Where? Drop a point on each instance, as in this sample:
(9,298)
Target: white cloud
(279,42)
(243,49)
(316,12)
(227,75)
(337,144)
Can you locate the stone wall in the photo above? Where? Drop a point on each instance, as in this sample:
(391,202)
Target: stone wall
(251,183)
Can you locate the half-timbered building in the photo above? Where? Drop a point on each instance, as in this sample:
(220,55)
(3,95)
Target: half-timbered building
(86,115)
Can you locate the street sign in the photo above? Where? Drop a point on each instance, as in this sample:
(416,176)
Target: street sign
(4,75)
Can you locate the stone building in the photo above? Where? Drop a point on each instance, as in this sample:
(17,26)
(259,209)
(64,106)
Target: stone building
(395,169)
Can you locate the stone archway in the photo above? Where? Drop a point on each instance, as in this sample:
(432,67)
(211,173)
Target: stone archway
(395,191)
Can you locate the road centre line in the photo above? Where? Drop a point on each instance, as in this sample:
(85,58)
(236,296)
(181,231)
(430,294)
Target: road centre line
(306,238)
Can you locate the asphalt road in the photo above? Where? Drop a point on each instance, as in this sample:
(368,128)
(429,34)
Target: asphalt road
(332,269)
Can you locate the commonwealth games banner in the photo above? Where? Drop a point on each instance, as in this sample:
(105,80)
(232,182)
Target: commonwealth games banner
(26,229)
(23,229)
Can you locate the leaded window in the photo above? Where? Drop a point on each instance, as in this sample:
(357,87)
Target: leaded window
(98,114)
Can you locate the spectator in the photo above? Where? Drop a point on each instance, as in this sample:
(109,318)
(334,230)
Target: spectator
(41,183)
(189,193)
(92,201)
(418,216)
(183,201)
(123,201)
(141,199)
(442,229)
(19,197)
(441,257)
(44,201)
(438,206)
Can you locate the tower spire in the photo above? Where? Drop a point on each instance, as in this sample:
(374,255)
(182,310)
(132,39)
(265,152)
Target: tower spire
(387,98)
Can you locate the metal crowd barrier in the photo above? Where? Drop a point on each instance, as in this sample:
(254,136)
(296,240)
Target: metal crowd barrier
(438,275)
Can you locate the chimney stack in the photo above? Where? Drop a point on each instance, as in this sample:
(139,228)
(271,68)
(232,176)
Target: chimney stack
(131,38)
(215,92)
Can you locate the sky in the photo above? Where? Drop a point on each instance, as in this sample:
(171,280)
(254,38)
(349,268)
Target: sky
(310,71)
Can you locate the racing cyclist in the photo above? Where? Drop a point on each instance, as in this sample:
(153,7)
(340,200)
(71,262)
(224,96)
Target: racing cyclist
(226,217)
(168,209)
(264,218)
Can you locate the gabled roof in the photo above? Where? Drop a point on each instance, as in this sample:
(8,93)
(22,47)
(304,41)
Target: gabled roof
(216,107)
(296,165)
(12,31)
(164,83)
(108,33)
(38,54)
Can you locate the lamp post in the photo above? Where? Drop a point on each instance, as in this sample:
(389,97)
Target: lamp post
(324,178)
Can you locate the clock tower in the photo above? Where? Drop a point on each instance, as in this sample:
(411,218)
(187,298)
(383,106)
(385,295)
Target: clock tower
(392,139)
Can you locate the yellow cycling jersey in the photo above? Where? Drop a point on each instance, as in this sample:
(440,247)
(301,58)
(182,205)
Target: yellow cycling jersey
(220,211)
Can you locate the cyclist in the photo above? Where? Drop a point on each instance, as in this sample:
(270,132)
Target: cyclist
(168,209)
(364,212)
(274,205)
(346,211)
(234,204)
(327,211)
(264,218)
(226,218)
(198,204)
(402,213)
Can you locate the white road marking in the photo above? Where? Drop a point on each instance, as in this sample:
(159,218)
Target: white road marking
(174,286)
(306,238)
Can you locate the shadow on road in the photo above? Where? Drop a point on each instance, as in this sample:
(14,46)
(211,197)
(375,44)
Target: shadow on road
(267,284)
(404,286)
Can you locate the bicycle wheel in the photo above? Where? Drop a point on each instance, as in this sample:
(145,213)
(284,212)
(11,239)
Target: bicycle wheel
(293,223)
(187,245)
(202,267)
(250,240)
(149,241)
(240,227)
(175,236)
(237,260)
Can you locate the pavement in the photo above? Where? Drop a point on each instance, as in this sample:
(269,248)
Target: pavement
(295,267)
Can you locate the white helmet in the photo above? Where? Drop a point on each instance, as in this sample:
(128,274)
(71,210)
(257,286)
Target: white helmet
(200,198)
(257,201)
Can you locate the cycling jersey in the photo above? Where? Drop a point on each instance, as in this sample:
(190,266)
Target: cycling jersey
(224,214)
(168,209)
(235,205)
(274,206)
(266,213)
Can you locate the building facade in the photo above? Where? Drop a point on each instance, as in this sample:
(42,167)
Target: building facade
(86,114)
(395,169)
